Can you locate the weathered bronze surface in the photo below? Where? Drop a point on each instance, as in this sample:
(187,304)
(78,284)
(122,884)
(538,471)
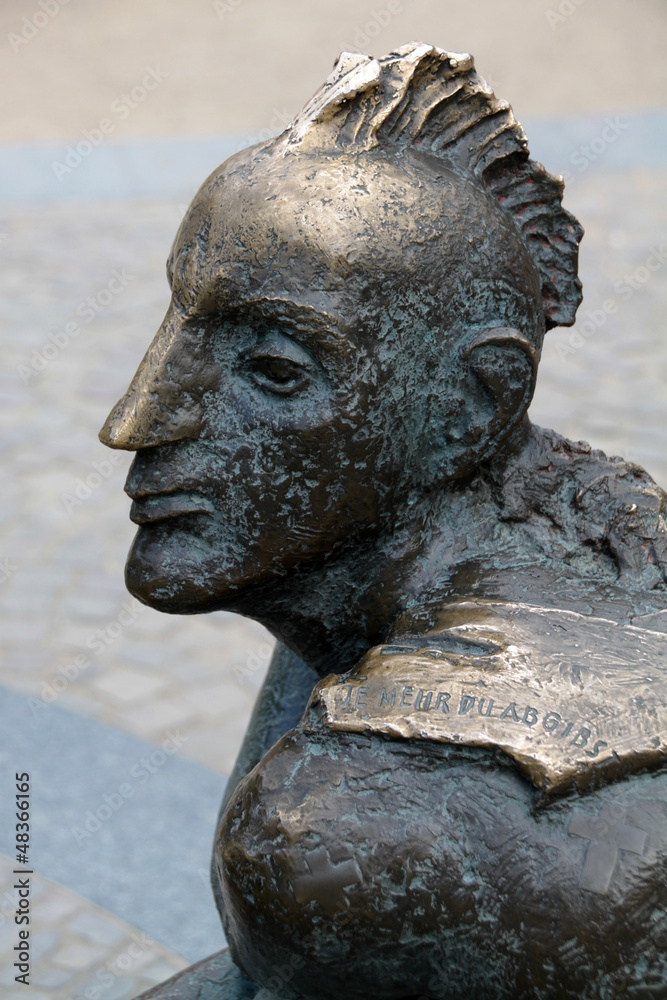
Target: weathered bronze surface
(572,699)
(453,785)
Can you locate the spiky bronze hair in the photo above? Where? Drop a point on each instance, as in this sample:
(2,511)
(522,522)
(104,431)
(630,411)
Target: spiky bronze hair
(434,100)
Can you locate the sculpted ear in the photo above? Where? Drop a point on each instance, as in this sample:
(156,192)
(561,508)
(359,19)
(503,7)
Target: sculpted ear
(504,363)
(497,371)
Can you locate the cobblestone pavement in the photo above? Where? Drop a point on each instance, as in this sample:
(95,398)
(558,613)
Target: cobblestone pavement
(71,634)
(77,947)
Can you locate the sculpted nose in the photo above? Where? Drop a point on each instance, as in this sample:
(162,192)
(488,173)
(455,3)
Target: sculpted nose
(164,400)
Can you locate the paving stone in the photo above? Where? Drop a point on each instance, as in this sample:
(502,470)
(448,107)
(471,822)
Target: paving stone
(157,716)
(7,972)
(212,701)
(158,971)
(74,943)
(95,705)
(97,928)
(128,685)
(56,907)
(127,988)
(94,608)
(79,955)
(151,654)
(213,747)
(37,891)
(41,942)
(51,976)
(23,630)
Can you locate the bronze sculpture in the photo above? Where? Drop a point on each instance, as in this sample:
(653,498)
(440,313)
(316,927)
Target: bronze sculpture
(453,783)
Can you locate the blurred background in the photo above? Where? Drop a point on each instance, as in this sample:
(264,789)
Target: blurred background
(112,115)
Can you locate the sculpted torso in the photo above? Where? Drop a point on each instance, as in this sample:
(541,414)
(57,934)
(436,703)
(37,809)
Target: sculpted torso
(409,840)
(453,785)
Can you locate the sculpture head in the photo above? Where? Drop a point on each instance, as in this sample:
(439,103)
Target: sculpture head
(357,312)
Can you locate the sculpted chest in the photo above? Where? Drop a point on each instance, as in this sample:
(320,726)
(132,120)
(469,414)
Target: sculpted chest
(419,819)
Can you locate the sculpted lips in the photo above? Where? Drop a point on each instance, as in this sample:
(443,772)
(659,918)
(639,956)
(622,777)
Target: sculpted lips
(159,506)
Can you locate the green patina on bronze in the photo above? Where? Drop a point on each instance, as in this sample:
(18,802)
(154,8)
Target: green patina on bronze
(332,437)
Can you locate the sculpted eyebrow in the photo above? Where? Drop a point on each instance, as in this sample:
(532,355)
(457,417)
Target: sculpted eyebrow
(303,321)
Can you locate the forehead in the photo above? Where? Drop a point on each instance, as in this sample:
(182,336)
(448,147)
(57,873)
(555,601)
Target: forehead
(373,247)
(321,231)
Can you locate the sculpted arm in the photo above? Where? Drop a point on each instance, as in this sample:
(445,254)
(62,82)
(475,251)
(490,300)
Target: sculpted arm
(279,707)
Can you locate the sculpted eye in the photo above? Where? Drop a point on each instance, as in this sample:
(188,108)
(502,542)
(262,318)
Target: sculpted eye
(278,373)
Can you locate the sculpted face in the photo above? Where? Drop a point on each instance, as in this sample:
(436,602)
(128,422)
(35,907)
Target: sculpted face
(286,405)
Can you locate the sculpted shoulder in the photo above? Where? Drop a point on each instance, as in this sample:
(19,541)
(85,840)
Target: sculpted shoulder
(574,700)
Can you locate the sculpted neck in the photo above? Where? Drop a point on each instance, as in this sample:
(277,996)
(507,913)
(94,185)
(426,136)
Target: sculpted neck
(527,527)
(330,613)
